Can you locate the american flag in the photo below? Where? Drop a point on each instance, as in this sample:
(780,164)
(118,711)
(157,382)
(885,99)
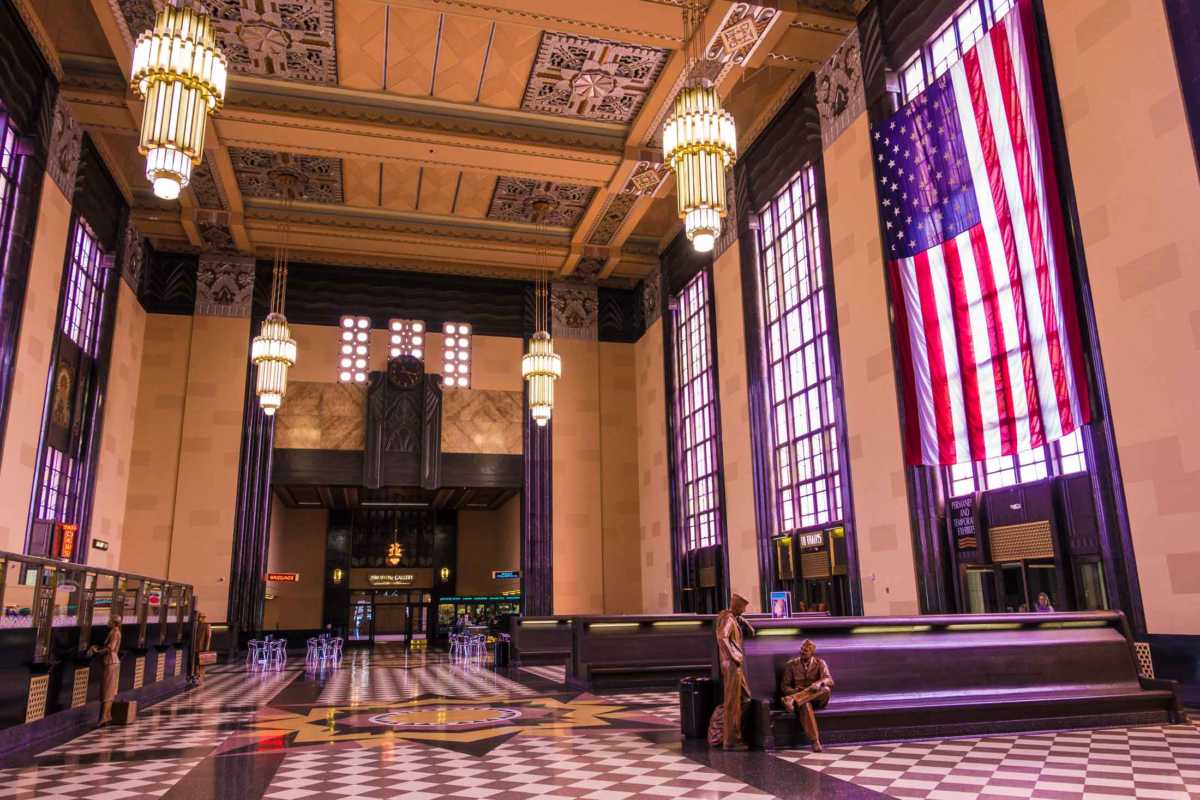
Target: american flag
(990,353)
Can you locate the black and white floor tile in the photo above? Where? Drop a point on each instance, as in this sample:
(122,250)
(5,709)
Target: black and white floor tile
(375,685)
(1161,762)
(610,767)
(158,730)
(555,673)
(116,780)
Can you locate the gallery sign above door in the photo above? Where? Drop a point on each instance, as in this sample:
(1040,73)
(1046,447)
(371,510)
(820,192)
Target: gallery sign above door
(416,578)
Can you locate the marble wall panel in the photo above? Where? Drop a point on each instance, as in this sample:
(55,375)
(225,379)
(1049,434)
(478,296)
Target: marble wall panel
(322,416)
(482,421)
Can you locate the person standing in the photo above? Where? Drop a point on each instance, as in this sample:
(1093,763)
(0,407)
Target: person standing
(111,664)
(728,630)
(201,642)
(806,687)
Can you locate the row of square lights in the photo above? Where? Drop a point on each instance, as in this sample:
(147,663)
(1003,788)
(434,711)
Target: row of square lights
(405,337)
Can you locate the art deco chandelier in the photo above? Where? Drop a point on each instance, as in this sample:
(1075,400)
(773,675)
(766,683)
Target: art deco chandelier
(274,350)
(180,75)
(699,144)
(541,366)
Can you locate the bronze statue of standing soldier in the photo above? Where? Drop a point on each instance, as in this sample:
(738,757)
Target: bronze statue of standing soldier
(728,629)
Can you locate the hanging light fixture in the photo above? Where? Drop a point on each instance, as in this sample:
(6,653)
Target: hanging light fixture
(274,349)
(180,75)
(699,144)
(541,366)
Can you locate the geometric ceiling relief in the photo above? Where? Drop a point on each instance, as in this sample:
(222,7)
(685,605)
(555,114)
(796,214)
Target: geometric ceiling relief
(591,78)
(290,40)
(205,188)
(317,179)
(742,28)
(513,201)
(645,179)
(618,208)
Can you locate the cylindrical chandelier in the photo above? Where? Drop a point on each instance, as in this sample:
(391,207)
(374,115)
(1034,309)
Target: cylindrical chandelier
(540,368)
(699,144)
(273,352)
(180,75)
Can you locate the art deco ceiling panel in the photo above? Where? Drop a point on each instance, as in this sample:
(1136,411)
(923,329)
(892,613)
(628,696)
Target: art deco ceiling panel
(293,40)
(319,179)
(511,201)
(591,78)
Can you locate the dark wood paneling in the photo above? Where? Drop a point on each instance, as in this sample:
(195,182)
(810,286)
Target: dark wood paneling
(169,283)
(344,468)
(620,315)
(480,469)
(1183,16)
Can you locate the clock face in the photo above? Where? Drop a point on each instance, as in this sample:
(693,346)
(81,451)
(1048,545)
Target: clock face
(406,371)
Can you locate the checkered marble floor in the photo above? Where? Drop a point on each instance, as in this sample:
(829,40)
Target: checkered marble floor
(1154,762)
(157,730)
(600,767)
(386,685)
(242,689)
(102,781)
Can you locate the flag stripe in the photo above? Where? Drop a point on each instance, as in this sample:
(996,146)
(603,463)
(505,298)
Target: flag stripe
(944,308)
(936,356)
(966,350)
(912,424)
(1019,338)
(920,362)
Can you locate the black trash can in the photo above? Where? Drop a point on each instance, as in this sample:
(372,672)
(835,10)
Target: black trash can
(697,699)
(503,650)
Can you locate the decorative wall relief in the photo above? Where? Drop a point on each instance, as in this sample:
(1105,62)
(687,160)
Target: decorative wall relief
(588,270)
(574,311)
(293,40)
(317,179)
(66,139)
(840,94)
(591,78)
(651,297)
(404,416)
(742,29)
(482,421)
(615,212)
(512,200)
(645,179)
(205,188)
(134,257)
(224,285)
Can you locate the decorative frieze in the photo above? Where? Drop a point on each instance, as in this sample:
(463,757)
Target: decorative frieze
(740,32)
(205,188)
(615,212)
(134,257)
(574,311)
(224,285)
(651,297)
(66,139)
(591,78)
(513,201)
(841,97)
(264,173)
(645,179)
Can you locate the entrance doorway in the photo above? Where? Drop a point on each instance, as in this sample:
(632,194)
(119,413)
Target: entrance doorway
(391,615)
(1009,587)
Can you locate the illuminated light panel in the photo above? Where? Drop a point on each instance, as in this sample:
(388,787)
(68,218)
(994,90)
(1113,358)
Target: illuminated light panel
(354,349)
(406,337)
(456,355)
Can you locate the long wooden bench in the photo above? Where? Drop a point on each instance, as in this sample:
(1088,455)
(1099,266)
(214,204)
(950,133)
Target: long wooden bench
(956,675)
(645,652)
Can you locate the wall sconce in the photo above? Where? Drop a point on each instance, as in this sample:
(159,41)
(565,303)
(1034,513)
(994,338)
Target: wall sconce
(445,573)
(338,574)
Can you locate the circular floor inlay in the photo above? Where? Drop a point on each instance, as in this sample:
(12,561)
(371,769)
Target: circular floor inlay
(446,716)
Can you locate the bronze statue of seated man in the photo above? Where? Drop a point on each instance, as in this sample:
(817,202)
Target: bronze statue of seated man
(807,686)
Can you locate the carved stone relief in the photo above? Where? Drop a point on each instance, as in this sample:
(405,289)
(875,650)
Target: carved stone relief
(588,270)
(574,311)
(740,32)
(205,188)
(66,139)
(289,39)
(224,285)
(651,291)
(134,253)
(840,94)
(317,179)
(591,78)
(613,217)
(645,179)
(513,198)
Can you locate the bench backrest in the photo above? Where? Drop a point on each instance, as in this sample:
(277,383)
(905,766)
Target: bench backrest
(951,655)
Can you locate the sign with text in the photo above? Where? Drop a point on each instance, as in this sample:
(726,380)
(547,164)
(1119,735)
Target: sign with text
(283,577)
(808,542)
(415,578)
(67,533)
(963,526)
(505,574)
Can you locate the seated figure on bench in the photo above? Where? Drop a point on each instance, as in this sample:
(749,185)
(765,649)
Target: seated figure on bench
(806,686)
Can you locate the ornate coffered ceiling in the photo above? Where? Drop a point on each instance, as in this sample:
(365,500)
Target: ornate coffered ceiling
(288,39)
(418,130)
(591,78)
(514,198)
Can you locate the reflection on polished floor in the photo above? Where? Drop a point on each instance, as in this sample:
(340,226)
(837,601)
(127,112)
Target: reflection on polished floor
(388,724)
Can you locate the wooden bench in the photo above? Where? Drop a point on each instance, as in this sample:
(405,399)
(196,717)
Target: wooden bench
(954,675)
(644,652)
(540,640)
